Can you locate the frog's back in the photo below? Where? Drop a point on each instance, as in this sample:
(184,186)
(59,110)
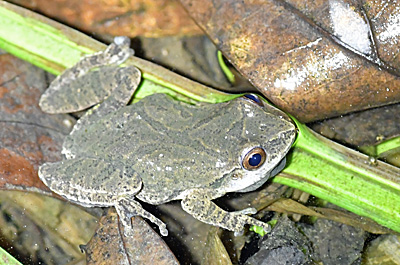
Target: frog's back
(172,145)
(151,125)
(159,136)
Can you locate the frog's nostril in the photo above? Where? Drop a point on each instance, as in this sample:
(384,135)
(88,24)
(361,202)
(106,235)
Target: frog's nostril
(235,176)
(254,159)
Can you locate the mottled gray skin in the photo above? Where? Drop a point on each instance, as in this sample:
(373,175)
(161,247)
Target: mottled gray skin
(159,149)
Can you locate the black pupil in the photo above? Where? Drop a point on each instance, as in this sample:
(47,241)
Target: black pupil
(255,160)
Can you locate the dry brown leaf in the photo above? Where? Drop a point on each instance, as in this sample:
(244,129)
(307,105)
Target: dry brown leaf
(29,137)
(109,245)
(149,18)
(214,251)
(290,206)
(43,229)
(313,59)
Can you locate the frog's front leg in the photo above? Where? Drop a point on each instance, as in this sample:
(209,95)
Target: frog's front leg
(198,204)
(128,208)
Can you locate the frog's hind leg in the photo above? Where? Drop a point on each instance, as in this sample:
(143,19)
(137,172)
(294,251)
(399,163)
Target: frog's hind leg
(114,85)
(198,204)
(124,82)
(127,208)
(89,81)
(115,54)
(91,182)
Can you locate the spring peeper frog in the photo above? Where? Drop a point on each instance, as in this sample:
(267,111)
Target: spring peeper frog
(160,149)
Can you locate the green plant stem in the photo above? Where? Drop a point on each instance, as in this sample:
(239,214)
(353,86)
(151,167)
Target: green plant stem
(344,177)
(384,149)
(229,75)
(7,259)
(316,165)
(54,47)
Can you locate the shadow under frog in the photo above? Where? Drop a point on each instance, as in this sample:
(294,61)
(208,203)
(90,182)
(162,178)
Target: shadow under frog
(160,149)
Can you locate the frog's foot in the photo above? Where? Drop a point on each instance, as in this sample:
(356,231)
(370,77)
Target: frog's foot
(199,205)
(244,219)
(118,51)
(126,209)
(115,54)
(80,88)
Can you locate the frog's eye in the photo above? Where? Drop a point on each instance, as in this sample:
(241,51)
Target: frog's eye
(254,159)
(254,98)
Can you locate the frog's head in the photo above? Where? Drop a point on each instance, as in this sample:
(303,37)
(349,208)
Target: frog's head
(260,151)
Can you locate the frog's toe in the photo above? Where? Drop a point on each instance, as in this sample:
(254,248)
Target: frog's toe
(127,208)
(163,230)
(250,210)
(117,52)
(122,41)
(265,226)
(244,219)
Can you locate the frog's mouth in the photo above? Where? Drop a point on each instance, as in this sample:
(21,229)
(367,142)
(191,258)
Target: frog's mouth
(273,172)
(234,183)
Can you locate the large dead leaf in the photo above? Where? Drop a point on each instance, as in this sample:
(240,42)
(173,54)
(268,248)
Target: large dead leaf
(314,59)
(34,225)
(28,136)
(150,18)
(109,245)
